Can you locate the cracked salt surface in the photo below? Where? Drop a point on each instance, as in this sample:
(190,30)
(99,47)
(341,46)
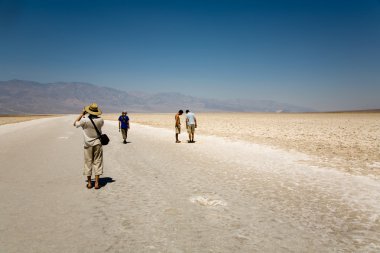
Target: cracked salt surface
(335,210)
(207,201)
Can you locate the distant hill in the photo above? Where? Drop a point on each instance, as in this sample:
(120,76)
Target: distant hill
(357,111)
(20,97)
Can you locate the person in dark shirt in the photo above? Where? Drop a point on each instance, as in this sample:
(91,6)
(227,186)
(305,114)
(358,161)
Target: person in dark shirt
(124,125)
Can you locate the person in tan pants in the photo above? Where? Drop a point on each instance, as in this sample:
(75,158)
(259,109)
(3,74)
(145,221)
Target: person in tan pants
(178,125)
(93,150)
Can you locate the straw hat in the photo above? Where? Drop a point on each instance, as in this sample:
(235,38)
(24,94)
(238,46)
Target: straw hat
(93,109)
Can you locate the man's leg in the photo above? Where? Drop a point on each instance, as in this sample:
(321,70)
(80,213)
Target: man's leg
(87,168)
(89,183)
(97,186)
(98,164)
(193,132)
(188,129)
(124,134)
(177,132)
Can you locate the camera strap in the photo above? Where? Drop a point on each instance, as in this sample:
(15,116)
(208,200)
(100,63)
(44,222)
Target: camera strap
(96,129)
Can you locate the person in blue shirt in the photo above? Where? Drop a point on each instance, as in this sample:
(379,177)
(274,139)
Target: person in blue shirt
(124,125)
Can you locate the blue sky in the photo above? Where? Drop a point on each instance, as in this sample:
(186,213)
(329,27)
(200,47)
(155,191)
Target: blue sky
(320,54)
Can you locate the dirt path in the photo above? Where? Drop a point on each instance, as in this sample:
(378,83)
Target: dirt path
(211,196)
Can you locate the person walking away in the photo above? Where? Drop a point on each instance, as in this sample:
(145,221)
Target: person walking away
(124,125)
(93,151)
(178,125)
(191,124)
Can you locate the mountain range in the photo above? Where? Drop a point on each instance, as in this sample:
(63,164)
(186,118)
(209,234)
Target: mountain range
(28,97)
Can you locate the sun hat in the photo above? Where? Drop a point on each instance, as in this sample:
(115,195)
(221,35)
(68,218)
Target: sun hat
(93,109)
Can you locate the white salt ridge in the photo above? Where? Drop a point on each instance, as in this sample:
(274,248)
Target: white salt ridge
(325,201)
(207,201)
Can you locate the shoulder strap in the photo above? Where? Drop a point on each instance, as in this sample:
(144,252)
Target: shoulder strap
(96,129)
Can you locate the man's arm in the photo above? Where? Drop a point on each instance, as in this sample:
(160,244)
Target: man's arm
(119,125)
(195,120)
(79,117)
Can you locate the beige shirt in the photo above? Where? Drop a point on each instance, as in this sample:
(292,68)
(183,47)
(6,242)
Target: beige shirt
(89,132)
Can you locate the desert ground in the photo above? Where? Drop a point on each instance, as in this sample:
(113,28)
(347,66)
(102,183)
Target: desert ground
(346,141)
(9,119)
(228,192)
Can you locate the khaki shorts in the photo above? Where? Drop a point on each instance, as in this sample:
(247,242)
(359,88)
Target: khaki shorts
(191,128)
(124,133)
(177,129)
(93,160)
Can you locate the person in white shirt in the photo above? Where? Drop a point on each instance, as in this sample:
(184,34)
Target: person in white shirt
(191,124)
(93,151)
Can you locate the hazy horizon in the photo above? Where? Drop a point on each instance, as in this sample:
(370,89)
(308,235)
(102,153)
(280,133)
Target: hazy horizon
(318,54)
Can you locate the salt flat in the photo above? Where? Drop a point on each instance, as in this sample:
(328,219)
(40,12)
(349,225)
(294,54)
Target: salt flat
(217,195)
(349,142)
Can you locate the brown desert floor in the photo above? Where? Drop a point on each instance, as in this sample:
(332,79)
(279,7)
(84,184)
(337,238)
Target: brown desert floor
(346,141)
(9,119)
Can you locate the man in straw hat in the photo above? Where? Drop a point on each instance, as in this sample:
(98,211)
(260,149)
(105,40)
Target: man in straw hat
(93,151)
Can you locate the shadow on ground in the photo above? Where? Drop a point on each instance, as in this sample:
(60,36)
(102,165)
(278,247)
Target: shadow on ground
(103,181)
